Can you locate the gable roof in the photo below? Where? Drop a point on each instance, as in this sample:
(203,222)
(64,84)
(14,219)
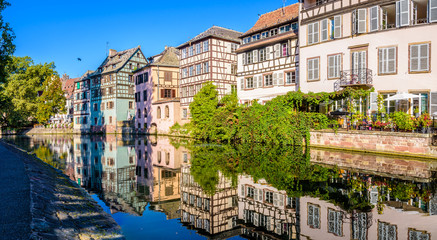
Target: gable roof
(169,57)
(119,59)
(218,32)
(274,18)
(68,87)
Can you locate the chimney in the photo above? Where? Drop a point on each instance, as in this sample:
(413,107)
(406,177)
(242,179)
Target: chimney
(165,47)
(112,52)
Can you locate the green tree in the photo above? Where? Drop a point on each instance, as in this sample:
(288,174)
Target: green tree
(7,48)
(202,111)
(23,85)
(52,101)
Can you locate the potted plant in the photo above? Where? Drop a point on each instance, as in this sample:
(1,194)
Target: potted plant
(424,121)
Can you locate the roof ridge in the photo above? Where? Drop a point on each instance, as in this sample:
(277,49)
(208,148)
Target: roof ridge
(279,9)
(224,28)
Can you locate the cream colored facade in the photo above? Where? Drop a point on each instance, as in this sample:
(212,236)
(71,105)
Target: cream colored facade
(370,44)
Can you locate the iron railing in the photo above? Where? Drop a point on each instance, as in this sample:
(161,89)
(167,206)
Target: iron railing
(354,77)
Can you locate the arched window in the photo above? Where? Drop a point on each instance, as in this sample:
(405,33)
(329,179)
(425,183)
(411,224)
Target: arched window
(167,158)
(167,112)
(159,157)
(158,112)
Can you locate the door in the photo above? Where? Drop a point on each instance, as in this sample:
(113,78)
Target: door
(359,67)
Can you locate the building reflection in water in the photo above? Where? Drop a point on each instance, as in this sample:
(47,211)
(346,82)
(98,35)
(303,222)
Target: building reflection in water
(372,197)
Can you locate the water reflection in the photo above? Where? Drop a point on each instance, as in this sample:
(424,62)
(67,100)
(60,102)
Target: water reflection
(254,192)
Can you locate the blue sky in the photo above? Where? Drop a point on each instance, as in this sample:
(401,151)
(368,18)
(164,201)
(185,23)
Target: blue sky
(63,30)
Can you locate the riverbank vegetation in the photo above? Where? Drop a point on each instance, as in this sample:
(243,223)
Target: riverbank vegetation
(284,120)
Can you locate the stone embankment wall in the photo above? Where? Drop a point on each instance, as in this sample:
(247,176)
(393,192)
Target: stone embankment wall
(376,141)
(48,131)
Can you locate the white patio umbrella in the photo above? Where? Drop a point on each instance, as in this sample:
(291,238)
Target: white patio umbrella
(402,96)
(434,114)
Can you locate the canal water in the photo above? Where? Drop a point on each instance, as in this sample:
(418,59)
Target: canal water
(162,188)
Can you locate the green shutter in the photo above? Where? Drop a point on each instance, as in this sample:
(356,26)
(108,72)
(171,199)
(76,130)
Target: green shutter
(78,85)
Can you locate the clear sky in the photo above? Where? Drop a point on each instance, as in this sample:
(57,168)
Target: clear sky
(63,30)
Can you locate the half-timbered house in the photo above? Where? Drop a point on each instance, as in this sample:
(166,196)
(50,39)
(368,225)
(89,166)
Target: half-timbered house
(268,56)
(112,90)
(209,57)
(81,103)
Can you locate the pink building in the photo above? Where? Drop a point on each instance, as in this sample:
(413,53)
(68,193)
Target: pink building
(157,94)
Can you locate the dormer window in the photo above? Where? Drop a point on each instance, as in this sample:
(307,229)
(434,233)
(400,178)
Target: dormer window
(114,66)
(265,34)
(273,32)
(246,40)
(255,37)
(294,26)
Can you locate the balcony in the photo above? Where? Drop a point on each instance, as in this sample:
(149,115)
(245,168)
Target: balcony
(356,78)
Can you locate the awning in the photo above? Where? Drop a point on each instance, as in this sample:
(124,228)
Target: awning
(402,96)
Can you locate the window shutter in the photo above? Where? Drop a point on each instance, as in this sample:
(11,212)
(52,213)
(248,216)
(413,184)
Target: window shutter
(381,60)
(316,68)
(310,33)
(354,22)
(277,50)
(173,93)
(432,12)
(275,199)
(255,82)
(242,83)
(373,101)
(281,79)
(404,13)
(281,200)
(331,66)
(391,60)
(310,70)
(275,79)
(324,30)
(362,20)
(414,58)
(398,10)
(260,81)
(260,191)
(255,56)
(316,32)
(244,58)
(424,57)
(374,18)
(256,219)
(337,27)
(433,107)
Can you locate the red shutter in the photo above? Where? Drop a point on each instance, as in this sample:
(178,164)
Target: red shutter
(162,93)
(173,93)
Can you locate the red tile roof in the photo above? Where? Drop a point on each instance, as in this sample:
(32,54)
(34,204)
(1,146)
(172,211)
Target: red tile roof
(276,17)
(68,86)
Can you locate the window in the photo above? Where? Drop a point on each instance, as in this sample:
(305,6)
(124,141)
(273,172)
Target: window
(273,32)
(206,204)
(313,33)
(269,197)
(205,67)
(199,69)
(95,121)
(145,95)
(374,18)
(334,63)
(387,60)
(78,85)
(110,119)
(313,69)
(290,77)
(359,21)
(390,106)
(158,112)
(419,57)
(255,37)
(285,49)
(191,90)
(184,53)
(313,216)
(190,51)
(387,231)
(249,57)
(264,34)
(184,113)
(167,112)
(249,82)
(167,93)
(416,234)
(324,30)
(131,105)
(268,80)
(234,47)
(250,192)
(246,40)
(205,46)
(139,114)
(262,54)
(191,71)
(103,120)
(198,48)
(95,107)
(335,222)
(184,72)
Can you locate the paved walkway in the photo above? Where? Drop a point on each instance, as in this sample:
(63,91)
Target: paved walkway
(15,216)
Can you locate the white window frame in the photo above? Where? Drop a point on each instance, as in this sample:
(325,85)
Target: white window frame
(419,57)
(384,61)
(313,65)
(336,68)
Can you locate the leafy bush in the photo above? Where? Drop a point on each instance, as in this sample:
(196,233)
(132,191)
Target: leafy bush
(404,121)
(318,121)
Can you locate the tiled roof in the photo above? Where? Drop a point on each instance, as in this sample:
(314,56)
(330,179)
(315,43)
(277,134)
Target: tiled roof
(169,57)
(119,58)
(85,76)
(218,32)
(68,86)
(276,17)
